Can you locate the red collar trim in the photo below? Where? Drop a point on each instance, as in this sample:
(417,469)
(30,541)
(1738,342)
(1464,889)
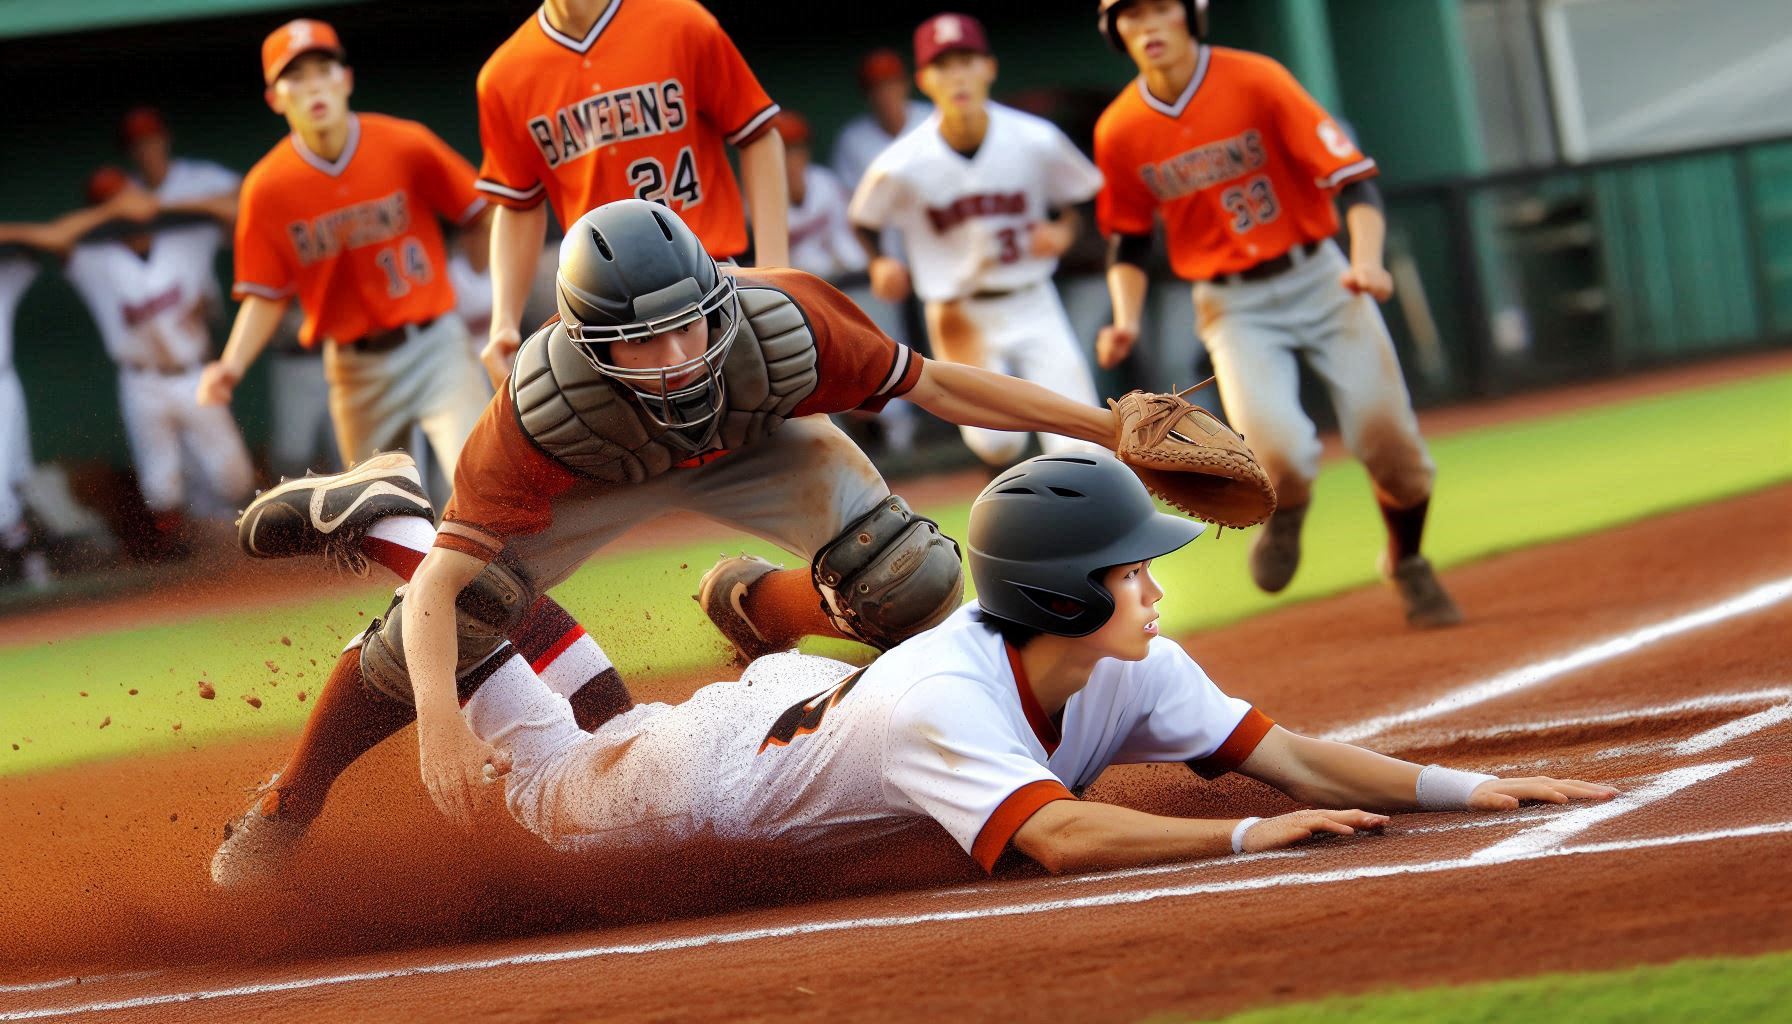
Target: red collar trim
(1048,733)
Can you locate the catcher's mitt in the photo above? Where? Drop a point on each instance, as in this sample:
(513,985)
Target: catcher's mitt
(1191,460)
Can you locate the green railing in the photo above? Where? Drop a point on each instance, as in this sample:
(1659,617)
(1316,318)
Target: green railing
(1561,273)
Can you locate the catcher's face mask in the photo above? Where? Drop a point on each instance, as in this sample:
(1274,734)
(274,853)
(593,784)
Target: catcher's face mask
(685,394)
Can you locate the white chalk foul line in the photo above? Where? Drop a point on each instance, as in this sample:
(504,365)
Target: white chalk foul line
(1711,739)
(1113,899)
(1710,702)
(1764,596)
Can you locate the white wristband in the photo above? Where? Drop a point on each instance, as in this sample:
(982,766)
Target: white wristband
(1446,789)
(1238,832)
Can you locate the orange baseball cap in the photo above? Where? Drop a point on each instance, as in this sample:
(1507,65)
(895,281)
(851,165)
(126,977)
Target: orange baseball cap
(793,126)
(293,40)
(105,183)
(881,66)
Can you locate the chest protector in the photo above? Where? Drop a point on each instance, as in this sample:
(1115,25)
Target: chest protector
(591,424)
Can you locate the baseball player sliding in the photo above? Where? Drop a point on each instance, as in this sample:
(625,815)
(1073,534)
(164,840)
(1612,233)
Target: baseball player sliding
(988,724)
(983,198)
(1243,165)
(591,101)
(666,382)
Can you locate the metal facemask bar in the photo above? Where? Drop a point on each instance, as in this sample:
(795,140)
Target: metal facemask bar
(694,404)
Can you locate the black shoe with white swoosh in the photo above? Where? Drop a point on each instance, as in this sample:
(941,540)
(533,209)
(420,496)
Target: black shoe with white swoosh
(330,514)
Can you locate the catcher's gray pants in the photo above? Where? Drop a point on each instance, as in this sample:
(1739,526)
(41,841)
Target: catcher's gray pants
(432,380)
(797,488)
(1255,330)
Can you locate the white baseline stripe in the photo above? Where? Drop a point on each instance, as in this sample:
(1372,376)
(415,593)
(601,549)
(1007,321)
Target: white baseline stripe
(1527,676)
(1713,702)
(1712,738)
(1124,898)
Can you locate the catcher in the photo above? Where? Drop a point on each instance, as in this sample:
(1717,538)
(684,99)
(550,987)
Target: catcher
(666,383)
(989,724)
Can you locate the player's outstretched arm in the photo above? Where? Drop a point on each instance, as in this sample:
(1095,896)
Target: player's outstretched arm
(451,758)
(58,236)
(1329,773)
(1080,835)
(970,396)
(256,320)
(1127,284)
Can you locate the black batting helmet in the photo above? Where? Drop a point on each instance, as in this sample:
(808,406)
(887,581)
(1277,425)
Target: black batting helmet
(1110,10)
(630,270)
(1042,534)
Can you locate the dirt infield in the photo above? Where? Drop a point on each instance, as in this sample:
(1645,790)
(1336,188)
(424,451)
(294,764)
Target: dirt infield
(1658,657)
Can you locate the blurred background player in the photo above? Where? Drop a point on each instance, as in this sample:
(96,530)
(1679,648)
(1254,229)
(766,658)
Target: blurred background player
(674,94)
(154,297)
(892,113)
(342,214)
(20,561)
(822,243)
(1243,166)
(148,294)
(180,184)
(983,196)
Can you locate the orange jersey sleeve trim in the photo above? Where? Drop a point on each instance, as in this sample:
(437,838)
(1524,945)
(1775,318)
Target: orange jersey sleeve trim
(1249,732)
(1020,805)
(755,128)
(515,198)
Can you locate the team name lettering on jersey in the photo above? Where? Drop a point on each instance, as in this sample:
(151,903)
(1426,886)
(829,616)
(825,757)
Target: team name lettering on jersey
(633,112)
(1198,168)
(351,227)
(137,312)
(987,204)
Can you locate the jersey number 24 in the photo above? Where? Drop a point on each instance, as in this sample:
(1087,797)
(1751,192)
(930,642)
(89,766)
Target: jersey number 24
(648,176)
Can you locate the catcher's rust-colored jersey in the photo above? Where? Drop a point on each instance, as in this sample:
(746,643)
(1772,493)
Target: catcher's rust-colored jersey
(1243,165)
(806,752)
(504,486)
(640,107)
(356,239)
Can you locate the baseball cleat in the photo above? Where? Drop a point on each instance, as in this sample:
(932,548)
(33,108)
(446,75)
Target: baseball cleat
(721,592)
(331,514)
(258,843)
(1276,554)
(1428,604)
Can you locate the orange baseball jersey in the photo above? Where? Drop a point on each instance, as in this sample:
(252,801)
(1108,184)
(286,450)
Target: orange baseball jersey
(1243,165)
(357,239)
(639,108)
(504,486)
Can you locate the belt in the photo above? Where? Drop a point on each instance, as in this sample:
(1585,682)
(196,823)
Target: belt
(997,293)
(1273,266)
(386,341)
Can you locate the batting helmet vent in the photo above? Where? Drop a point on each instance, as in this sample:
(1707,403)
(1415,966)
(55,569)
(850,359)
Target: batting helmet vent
(1042,534)
(603,247)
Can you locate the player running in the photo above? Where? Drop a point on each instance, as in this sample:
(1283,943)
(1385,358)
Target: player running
(591,101)
(1243,166)
(984,198)
(666,383)
(989,724)
(343,215)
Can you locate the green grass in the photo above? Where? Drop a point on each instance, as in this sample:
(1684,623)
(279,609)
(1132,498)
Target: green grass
(1735,991)
(1498,489)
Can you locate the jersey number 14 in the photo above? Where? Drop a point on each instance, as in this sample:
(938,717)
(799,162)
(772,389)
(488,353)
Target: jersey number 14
(648,176)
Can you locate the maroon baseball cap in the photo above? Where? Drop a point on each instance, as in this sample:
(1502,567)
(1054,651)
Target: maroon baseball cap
(948,33)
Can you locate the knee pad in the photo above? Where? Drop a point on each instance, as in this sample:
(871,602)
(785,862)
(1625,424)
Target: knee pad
(485,612)
(889,575)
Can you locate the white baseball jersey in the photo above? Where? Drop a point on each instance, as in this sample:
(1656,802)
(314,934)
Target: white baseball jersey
(196,179)
(821,238)
(472,297)
(151,312)
(862,139)
(16,275)
(810,752)
(965,221)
